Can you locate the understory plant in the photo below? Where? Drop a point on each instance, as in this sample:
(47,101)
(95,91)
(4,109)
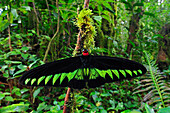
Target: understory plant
(154,85)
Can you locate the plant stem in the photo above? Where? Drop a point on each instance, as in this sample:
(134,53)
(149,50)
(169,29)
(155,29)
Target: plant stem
(66,100)
(86,5)
(9,33)
(36,15)
(49,44)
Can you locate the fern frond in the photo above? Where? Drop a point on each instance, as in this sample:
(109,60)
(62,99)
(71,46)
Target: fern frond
(154,85)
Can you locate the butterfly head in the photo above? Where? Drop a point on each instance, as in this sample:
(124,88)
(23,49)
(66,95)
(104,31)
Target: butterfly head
(85,52)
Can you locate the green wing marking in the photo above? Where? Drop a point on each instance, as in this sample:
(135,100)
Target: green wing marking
(93,73)
(63,75)
(87,71)
(33,80)
(47,79)
(71,75)
(110,73)
(116,73)
(102,73)
(136,73)
(27,80)
(123,72)
(40,79)
(56,76)
(129,72)
(140,71)
(99,72)
(79,74)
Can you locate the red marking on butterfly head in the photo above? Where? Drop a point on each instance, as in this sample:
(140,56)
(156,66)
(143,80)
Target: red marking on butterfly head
(85,52)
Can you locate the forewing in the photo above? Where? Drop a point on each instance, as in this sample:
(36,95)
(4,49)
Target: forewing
(57,73)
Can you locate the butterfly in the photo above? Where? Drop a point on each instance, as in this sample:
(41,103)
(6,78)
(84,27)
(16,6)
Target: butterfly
(84,71)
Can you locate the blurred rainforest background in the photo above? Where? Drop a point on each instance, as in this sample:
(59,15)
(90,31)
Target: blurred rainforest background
(124,28)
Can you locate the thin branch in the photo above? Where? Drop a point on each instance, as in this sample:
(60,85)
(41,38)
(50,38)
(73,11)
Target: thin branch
(36,15)
(9,33)
(49,20)
(58,24)
(86,5)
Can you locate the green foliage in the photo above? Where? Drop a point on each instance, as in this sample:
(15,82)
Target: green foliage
(87,28)
(14,108)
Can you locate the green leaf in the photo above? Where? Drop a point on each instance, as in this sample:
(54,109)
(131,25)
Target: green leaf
(107,5)
(113,103)
(13,62)
(103,111)
(24,90)
(14,108)
(41,107)
(157,36)
(129,111)
(15,90)
(164,110)
(5,75)
(149,14)
(128,5)
(149,109)
(132,43)
(22,67)
(4,24)
(27,8)
(29,0)
(119,106)
(105,94)
(14,12)
(24,48)
(36,92)
(2,95)
(98,19)
(18,72)
(33,63)
(62,96)
(9,98)
(25,56)
(138,4)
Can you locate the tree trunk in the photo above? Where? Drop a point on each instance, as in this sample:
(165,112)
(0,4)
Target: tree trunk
(133,28)
(163,59)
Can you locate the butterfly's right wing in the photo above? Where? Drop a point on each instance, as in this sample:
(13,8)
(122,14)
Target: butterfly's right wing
(58,74)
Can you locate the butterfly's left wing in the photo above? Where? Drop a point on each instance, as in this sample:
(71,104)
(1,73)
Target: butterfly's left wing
(108,69)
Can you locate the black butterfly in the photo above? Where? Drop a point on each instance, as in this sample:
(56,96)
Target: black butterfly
(82,71)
